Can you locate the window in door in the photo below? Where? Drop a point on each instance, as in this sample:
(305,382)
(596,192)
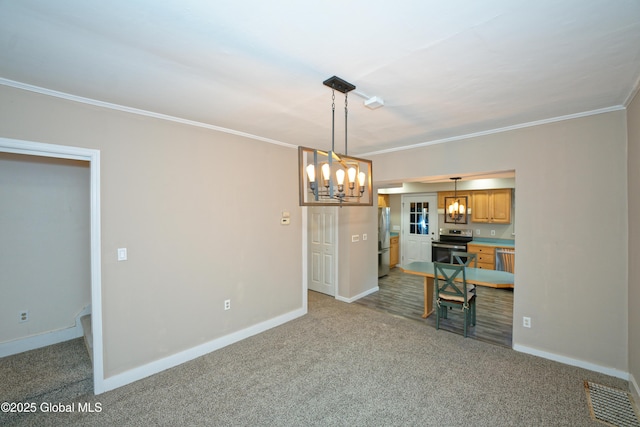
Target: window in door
(419,218)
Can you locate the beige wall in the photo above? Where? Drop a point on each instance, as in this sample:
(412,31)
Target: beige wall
(199,212)
(569,175)
(44,244)
(633,123)
(358,261)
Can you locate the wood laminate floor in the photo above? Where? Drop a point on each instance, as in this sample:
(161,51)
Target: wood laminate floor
(401,294)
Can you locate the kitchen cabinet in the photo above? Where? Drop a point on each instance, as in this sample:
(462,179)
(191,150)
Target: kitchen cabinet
(394,247)
(486,255)
(491,206)
(383,200)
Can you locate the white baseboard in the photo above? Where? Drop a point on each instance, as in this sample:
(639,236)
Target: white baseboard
(573,362)
(43,340)
(152,368)
(357,297)
(634,389)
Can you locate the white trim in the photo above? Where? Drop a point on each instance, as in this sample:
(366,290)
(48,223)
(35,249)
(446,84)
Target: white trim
(357,297)
(305,254)
(33,342)
(498,130)
(632,93)
(634,388)
(117,107)
(155,367)
(572,362)
(93,156)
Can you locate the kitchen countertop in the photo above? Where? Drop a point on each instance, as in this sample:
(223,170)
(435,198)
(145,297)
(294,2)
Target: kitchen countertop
(496,243)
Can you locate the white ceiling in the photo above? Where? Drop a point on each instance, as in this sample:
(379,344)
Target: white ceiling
(445,69)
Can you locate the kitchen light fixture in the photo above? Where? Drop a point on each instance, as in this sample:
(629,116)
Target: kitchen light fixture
(321,174)
(457,210)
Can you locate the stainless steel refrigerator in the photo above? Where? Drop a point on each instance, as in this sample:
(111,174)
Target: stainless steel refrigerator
(383,241)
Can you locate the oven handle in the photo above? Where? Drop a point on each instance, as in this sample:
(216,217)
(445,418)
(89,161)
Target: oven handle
(448,246)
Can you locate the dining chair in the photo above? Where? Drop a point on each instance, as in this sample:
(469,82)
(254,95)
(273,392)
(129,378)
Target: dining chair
(452,292)
(468,259)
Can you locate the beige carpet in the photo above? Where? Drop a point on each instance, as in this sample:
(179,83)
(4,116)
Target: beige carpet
(347,365)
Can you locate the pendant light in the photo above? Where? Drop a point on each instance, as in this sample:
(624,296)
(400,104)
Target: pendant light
(456,209)
(321,176)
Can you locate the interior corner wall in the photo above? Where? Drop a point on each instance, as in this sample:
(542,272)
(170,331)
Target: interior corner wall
(199,212)
(44,248)
(358,261)
(633,126)
(569,175)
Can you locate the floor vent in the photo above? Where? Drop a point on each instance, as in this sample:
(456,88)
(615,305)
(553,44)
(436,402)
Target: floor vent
(611,406)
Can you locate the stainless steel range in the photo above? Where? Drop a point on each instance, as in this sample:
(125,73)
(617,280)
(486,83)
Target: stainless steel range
(450,240)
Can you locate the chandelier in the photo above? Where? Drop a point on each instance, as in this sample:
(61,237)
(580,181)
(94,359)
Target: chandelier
(457,209)
(326,178)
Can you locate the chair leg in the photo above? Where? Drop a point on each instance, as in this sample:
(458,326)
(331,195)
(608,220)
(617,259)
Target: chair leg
(466,321)
(437,316)
(473,312)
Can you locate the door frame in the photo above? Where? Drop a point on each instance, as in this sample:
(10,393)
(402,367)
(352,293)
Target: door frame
(31,148)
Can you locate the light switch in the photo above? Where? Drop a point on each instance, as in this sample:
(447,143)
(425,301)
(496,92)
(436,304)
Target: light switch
(285,221)
(364,236)
(122,254)
(355,238)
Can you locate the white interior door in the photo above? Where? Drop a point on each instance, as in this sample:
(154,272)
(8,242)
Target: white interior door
(322,240)
(419,226)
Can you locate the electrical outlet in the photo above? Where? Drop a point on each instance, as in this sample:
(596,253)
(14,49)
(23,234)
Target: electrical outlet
(477,231)
(23,316)
(526,322)
(227,304)
(493,232)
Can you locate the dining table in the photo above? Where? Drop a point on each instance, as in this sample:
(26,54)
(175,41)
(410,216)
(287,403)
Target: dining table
(475,276)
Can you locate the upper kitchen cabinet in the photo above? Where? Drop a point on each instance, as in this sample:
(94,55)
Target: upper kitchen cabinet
(383,201)
(491,206)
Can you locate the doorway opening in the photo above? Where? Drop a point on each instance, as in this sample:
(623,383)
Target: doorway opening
(93,157)
(403,294)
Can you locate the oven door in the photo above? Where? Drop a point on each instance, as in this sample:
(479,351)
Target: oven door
(441,252)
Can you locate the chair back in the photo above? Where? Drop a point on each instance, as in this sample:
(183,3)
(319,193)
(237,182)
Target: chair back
(467,259)
(451,282)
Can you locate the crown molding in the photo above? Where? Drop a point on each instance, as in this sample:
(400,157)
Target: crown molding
(498,130)
(89,101)
(117,107)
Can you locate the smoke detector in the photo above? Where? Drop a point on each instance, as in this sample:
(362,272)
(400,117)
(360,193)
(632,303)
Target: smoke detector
(374,102)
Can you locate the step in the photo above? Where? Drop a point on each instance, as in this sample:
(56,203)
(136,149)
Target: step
(85,321)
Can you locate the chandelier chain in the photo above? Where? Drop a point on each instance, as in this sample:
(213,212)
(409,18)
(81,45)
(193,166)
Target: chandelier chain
(333,118)
(346,103)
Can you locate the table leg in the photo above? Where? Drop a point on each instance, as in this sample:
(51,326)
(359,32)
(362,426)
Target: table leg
(428,297)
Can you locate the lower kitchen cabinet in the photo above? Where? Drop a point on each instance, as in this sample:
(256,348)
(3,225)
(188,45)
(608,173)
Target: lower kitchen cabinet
(394,247)
(486,255)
